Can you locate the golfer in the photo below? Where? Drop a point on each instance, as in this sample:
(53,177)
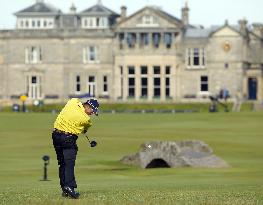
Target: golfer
(72,120)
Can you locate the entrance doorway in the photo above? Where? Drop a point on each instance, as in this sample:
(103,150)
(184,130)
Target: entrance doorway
(34,87)
(252,88)
(92,86)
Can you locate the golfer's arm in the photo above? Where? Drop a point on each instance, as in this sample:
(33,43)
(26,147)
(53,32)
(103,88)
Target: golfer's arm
(86,127)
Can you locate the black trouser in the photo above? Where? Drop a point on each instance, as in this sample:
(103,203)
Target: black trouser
(66,150)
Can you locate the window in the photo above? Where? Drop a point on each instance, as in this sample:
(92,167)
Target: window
(144,39)
(45,23)
(167,70)
(167,80)
(144,81)
(204,84)
(131,81)
(90,22)
(131,40)
(21,23)
(131,87)
(131,70)
(144,70)
(78,84)
(94,22)
(105,84)
(33,23)
(104,22)
(90,54)
(156,39)
(196,57)
(156,81)
(157,86)
(144,86)
(38,23)
(148,20)
(156,70)
(167,87)
(168,40)
(33,54)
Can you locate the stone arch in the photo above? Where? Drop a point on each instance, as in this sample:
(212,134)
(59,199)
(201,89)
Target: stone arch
(157,163)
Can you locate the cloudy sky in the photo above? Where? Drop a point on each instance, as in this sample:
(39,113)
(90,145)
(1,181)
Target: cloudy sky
(203,12)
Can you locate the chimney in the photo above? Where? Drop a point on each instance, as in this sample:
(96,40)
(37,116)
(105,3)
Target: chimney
(123,12)
(73,9)
(243,26)
(185,14)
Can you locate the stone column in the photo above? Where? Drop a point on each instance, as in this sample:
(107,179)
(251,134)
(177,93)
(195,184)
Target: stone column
(259,94)
(162,44)
(137,83)
(116,82)
(125,82)
(173,82)
(245,86)
(150,82)
(125,44)
(177,77)
(150,40)
(162,78)
(137,46)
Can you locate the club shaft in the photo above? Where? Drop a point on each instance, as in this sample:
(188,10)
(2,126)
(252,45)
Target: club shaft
(87,138)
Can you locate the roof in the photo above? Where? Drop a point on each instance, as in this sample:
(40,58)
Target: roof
(99,9)
(39,7)
(200,32)
(167,14)
(207,32)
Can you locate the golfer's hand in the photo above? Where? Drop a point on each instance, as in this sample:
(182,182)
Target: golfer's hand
(85,131)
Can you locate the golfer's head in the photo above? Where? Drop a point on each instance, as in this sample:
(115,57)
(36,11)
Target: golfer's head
(91,107)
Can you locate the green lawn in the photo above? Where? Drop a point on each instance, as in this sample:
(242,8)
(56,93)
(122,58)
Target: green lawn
(102,179)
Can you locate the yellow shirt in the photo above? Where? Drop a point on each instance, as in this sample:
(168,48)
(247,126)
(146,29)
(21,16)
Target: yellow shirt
(73,118)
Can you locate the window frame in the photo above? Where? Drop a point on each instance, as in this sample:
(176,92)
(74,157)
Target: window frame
(195,60)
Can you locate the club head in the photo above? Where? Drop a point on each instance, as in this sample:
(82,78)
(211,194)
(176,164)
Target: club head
(93,143)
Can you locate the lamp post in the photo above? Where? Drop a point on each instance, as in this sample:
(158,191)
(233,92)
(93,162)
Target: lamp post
(46,162)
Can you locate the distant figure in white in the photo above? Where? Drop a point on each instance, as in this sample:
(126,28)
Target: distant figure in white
(237,102)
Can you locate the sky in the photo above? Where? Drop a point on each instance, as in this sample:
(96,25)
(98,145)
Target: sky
(202,12)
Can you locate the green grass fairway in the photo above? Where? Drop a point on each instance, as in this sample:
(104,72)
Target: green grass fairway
(102,179)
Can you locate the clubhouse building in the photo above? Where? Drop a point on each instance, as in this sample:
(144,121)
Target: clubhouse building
(149,56)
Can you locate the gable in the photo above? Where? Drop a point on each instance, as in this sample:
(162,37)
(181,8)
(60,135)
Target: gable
(226,31)
(150,18)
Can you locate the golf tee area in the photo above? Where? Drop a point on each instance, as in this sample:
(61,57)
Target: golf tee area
(102,179)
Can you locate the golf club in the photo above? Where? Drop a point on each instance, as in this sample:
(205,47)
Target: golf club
(92,143)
